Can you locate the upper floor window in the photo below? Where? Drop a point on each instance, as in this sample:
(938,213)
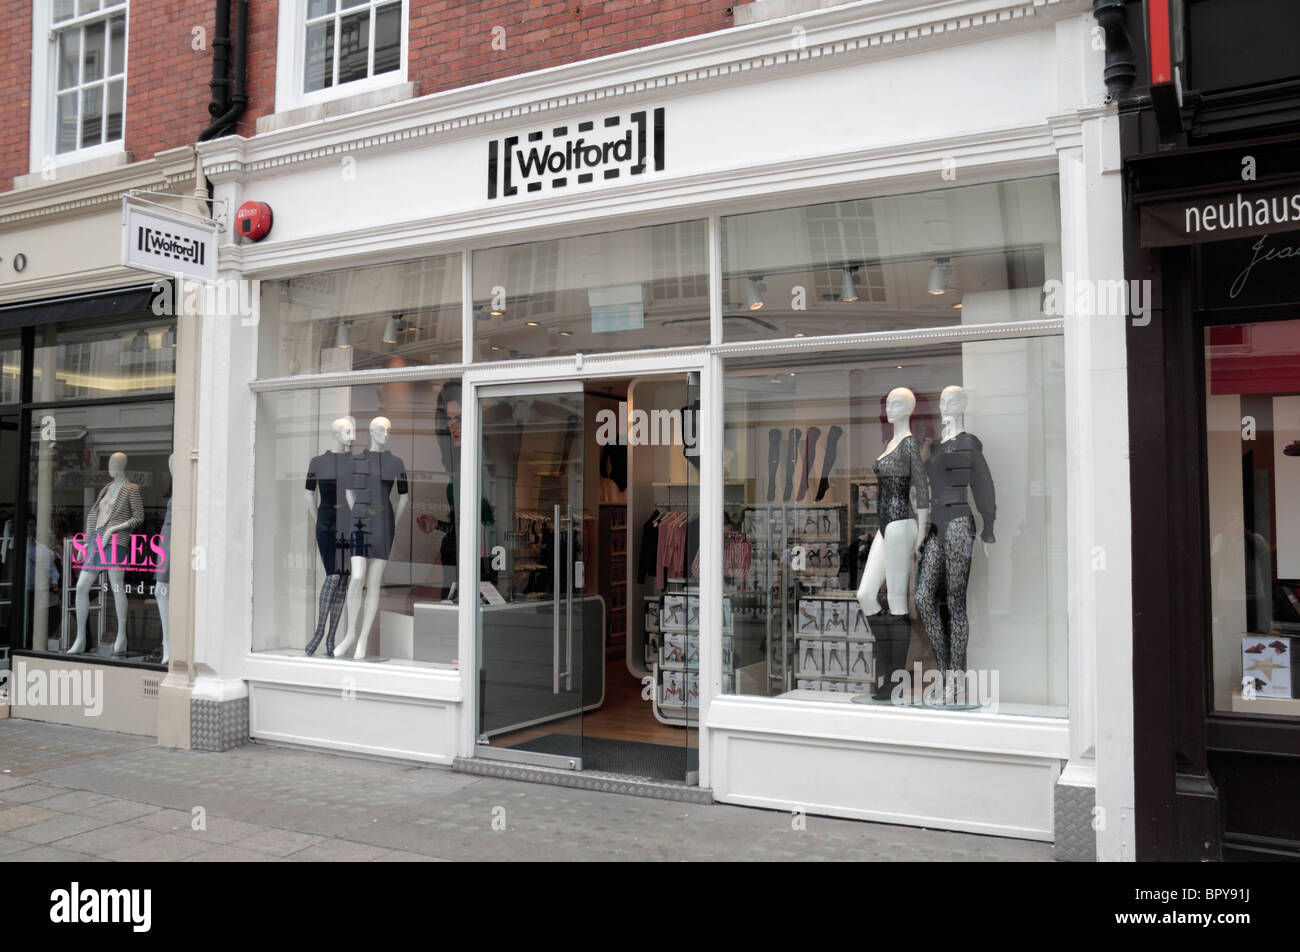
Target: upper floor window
(87,75)
(350,40)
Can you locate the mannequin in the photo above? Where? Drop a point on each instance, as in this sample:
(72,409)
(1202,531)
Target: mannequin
(323,473)
(956,466)
(116,510)
(898,469)
(161,591)
(372,524)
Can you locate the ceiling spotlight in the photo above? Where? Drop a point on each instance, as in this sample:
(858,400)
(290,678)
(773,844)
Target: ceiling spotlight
(957,305)
(800,334)
(566,333)
(169,337)
(140,341)
(343,338)
(497,311)
(392,329)
(940,272)
(754,289)
(848,290)
(532,323)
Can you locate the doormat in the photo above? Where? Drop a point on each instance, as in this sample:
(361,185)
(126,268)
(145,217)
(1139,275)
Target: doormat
(630,758)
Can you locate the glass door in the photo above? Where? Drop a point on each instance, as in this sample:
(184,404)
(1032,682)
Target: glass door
(540,639)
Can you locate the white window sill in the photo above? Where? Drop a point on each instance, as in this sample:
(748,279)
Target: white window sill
(65,170)
(338,107)
(761,10)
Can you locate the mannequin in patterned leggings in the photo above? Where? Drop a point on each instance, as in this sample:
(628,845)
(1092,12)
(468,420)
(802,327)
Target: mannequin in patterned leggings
(956,465)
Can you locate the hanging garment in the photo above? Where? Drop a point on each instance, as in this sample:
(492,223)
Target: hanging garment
(647,560)
(828,460)
(118,507)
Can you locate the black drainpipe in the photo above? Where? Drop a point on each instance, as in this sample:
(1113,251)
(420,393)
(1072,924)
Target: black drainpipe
(229,95)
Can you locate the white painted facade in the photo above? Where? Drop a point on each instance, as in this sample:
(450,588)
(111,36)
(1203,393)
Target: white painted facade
(859,100)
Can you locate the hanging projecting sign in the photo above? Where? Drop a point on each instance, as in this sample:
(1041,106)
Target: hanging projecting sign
(561,156)
(154,240)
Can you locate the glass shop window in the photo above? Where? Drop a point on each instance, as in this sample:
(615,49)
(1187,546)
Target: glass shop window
(356,522)
(895,527)
(976,254)
(1252,422)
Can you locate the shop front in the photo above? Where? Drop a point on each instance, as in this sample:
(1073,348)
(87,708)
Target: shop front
(569,445)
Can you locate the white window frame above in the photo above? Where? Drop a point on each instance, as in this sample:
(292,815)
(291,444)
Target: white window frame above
(43,101)
(291,60)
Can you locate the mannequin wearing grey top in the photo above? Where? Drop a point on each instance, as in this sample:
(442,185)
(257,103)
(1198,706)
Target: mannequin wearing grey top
(117,509)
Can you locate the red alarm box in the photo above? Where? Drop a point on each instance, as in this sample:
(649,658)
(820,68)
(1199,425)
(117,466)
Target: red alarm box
(253,220)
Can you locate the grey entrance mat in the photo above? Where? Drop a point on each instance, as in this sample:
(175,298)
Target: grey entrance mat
(627,757)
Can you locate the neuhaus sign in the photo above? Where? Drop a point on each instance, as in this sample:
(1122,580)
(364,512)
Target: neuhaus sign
(616,146)
(1221,217)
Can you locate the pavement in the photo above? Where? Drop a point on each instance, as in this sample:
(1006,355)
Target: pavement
(79,795)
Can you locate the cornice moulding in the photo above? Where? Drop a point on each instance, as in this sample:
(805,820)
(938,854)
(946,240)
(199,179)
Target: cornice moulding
(869,27)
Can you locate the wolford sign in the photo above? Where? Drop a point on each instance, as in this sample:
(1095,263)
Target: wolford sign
(168,244)
(560,156)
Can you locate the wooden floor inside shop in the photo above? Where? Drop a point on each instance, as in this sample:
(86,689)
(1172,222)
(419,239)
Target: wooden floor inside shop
(623,716)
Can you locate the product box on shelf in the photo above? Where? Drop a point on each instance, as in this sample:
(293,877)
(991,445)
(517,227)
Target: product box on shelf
(809,660)
(692,689)
(835,617)
(728,642)
(673,615)
(808,620)
(674,648)
(652,615)
(1266,665)
(728,617)
(859,660)
(859,627)
(674,689)
(692,613)
(652,647)
(834,661)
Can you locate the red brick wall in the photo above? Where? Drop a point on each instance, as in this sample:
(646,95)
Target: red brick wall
(450,46)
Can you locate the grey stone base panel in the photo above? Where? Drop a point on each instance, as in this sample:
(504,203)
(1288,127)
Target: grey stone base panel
(218,725)
(584,780)
(1076,840)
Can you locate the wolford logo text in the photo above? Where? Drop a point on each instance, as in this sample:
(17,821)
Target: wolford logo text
(628,143)
(103,905)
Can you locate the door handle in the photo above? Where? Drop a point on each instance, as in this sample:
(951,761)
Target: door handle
(555,607)
(568,610)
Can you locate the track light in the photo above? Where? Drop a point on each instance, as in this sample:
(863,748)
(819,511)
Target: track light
(754,288)
(343,338)
(392,329)
(140,341)
(848,290)
(940,272)
(169,337)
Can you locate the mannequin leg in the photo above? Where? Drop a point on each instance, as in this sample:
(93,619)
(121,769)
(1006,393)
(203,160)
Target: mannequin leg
(957,561)
(337,600)
(900,541)
(873,576)
(773,460)
(374,588)
(355,585)
(85,582)
(927,598)
(163,595)
(828,460)
(117,582)
(323,611)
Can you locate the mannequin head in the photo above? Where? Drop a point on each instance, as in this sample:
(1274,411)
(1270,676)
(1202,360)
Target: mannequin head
(379,429)
(345,430)
(952,404)
(899,405)
(117,465)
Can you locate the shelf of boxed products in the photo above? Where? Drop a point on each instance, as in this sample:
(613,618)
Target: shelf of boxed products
(673,653)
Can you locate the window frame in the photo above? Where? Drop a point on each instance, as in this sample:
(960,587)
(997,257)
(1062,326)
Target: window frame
(43,101)
(291,60)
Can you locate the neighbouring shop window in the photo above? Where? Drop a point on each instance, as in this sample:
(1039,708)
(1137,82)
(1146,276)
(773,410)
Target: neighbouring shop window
(11,369)
(392,315)
(622,290)
(977,254)
(1252,421)
(88,40)
(347,41)
(97,538)
(80,360)
(895,527)
(355,522)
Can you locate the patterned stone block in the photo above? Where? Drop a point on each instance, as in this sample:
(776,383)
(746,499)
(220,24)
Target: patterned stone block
(218,725)
(1076,840)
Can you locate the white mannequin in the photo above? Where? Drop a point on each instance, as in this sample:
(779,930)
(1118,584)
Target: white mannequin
(117,577)
(893,549)
(952,411)
(345,432)
(160,590)
(367,573)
